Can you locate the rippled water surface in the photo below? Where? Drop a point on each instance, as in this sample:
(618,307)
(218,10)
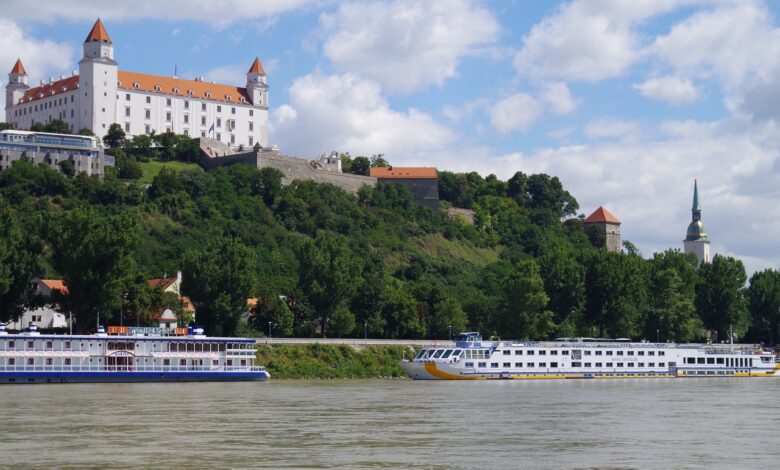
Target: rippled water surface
(653,423)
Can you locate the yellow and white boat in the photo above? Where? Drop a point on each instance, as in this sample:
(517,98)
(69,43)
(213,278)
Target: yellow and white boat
(470,358)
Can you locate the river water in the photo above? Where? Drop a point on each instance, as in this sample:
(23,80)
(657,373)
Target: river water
(634,423)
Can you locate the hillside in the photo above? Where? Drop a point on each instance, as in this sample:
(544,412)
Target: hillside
(312,254)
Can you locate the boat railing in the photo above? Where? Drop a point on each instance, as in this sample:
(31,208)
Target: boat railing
(126,368)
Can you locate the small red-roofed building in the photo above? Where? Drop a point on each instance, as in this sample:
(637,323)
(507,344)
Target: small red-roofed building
(423,182)
(603,224)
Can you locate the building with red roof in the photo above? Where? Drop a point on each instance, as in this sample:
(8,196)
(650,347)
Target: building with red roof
(604,229)
(100,94)
(423,182)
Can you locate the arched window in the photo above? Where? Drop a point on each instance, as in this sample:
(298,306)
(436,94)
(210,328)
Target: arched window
(157,88)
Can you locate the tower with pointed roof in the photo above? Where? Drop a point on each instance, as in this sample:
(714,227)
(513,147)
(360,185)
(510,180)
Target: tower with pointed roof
(696,240)
(601,224)
(98,73)
(17,85)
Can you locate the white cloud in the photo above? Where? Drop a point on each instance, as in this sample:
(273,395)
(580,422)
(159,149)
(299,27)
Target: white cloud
(219,13)
(41,59)
(559,98)
(347,113)
(610,128)
(404,44)
(674,90)
(515,113)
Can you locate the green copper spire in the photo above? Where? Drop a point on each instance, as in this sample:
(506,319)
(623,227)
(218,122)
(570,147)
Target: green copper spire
(696,228)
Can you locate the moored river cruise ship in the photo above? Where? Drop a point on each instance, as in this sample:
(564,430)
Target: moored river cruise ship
(126,354)
(472,359)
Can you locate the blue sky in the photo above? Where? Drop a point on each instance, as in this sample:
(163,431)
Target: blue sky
(627,101)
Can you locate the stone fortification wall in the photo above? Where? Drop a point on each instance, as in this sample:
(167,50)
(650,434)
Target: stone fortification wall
(300,169)
(215,154)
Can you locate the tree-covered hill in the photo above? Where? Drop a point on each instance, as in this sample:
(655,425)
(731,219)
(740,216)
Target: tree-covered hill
(372,262)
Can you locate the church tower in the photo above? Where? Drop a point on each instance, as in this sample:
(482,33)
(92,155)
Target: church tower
(17,85)
(604,228)
(696,240)
(257,91)
(98,73)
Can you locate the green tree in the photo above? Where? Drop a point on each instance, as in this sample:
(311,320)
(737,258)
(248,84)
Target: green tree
(525,314)
(564,284)
(94,254)
(141,145)
(720,296)
(187,149)
(360,166)
(342,322)
(58,126)
(399,310)
(5,126)
(448,316)
(328,273)
(86,131)
(378,160)
(764,305)
(67,168)
(274,310)
(115,137)
(18,264)
(267,184)
(671,299)
(218,280)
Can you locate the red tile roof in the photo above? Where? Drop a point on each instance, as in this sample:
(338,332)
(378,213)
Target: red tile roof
(18,67)
(163,282)
(256,67)
(182,87)
(55,284)
(98,33)
(50,89)
(601,215)
(397,172)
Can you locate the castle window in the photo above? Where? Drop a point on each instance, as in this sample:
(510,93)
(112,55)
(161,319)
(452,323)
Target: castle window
(190,92)
(127,96)
(203,106)
(203,133)
(241,99)
(148,99)
(176,90)
(168,116)
(186,119)
(167,102)
(251,112)
(251,141)
(219,108)
(208,94)
(71,98)
(187,132)
(148,114)
(228,97)
(127,127)
(127,111)
(251,126)
(232,139)
(219,122)
(147,128)
(186,105)
(219,136)
(203,120)
(157,88)
(136,85)
(232,110)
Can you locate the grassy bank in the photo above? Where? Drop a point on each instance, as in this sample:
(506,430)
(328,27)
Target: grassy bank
(325,361)
(153,167)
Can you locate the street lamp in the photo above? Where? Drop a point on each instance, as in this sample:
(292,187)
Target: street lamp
(365,331)
(450,332)
(269,330)
(657,336)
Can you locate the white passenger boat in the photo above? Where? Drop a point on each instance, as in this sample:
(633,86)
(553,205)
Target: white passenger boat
(126,354)
(471,358)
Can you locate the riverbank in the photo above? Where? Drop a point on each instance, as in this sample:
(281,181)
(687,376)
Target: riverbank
(326,361)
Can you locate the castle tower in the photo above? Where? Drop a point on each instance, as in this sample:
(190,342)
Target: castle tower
(603,223)
(257,89)
(17,85)
(97,81)
(696,240)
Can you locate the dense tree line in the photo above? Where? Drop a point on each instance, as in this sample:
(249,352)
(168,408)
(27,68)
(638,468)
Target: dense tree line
(322,261)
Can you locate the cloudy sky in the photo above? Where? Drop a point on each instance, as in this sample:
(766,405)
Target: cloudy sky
(627,101)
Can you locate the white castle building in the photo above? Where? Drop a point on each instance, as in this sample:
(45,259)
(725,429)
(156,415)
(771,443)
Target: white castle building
(100,94)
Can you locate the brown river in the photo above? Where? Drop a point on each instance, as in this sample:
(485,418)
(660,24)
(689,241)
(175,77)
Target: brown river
(548,424)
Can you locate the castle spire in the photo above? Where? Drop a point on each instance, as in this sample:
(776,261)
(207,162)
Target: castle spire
(256,67)
(18,67)
(696,240)
(696,206)
(98,33)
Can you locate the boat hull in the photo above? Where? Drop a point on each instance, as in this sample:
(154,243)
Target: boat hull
(24,377)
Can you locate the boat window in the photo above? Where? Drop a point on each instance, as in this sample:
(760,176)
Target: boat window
(640,353)
(710,360)
(190,347)
(198,347)
(507,364)
(182,362)
(67,345)
(438,353)
(587,352)
(221,347)
(530,364)
(587,364)
(482,364)
(542,364)
(49,344)
(421,353)
(651,364)
(576,364)
(518,352)
(598,353)
(553,352)
(506,352)
(629,353)
(661,353)
(700,360)
(518,364)
(619,364)
(30,344)
(446,354)
(553,364)
(609,353)
(542,352)
(469,364)
(565,352)
(599,364)
(530,352)
(661,364)
(11,344)
(494,365)
(457,353)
